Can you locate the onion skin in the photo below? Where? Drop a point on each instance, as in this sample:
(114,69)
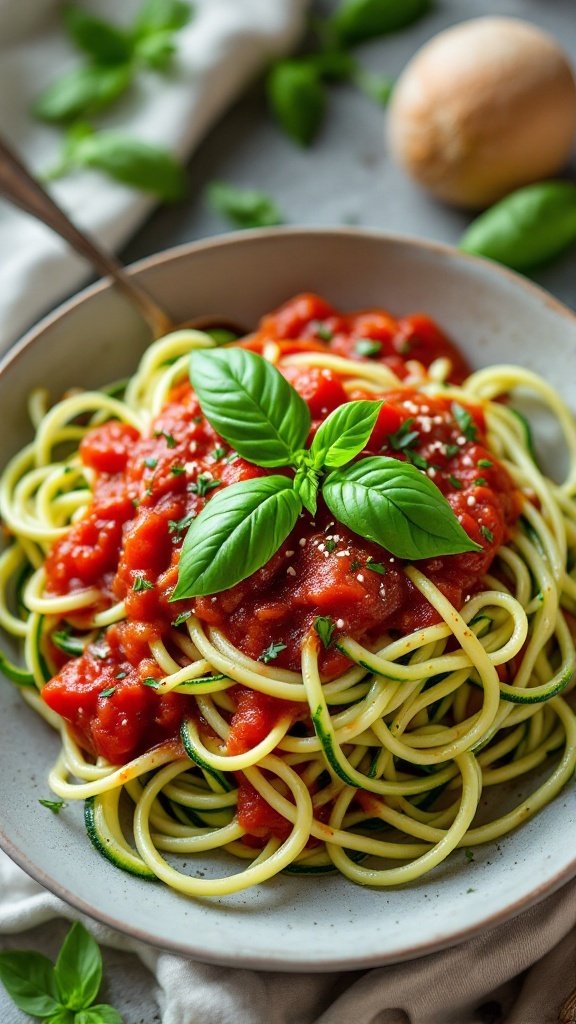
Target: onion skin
(484,108)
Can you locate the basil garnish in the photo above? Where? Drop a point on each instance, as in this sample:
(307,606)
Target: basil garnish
(236,533)
(254,408)
(251,405)
(395,505)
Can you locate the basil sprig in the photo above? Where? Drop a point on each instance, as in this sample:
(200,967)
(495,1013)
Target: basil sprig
(64,992)
(254,408)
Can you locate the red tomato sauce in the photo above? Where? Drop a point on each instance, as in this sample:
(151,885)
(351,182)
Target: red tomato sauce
(147,490)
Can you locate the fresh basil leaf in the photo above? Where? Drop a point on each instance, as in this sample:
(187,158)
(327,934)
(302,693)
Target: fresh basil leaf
(133,162)
(237,532)
(79,968)
(306,485)
(103,41)
(527,228)
(333,65)
(85,90)
(464,420)
(344,433)
(377,87)
(162,16)
(100,1014)
(30,981)
(250,404)
(297,98)
(356,21)
(393,504)
(156,51)
(63,1017)
(245,208)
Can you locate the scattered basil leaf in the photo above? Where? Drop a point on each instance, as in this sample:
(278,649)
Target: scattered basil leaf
(245,208)
(377,87)
(203,485)
(528,227)
(263,418)
(162,16)
(108,692)
(393,504)
(455,482)
(487,534)
(151,463)
(132,162)
(485,463)
(78,968)
(30,981)
(236,533)
(82,92)
(271,652)
(53,805)
(325,626)
(103,41)
(356,21)
(100,1014)
(177,526)
(404,438)
(151,681)
(297,98)
(344,433)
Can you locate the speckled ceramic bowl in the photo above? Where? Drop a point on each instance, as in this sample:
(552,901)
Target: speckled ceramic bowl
(302,924)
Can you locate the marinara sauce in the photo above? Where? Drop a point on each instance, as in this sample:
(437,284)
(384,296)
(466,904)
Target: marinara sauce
(147,491)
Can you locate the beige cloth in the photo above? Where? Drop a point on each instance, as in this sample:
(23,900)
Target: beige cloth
(518,973)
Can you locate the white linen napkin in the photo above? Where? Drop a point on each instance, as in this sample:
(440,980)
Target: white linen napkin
(225,45)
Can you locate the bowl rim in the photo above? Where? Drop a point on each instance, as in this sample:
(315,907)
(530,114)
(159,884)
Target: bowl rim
(255,961)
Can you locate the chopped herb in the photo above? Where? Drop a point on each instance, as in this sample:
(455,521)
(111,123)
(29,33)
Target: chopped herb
(354,565)
(151,681)
(404,438)
(120,675)
(181,618)
(321,331)
(101,652)
(330,545)
(135,502)
(53,805)
(151,463)
(470,890)
(148,491)
(141,584)
(469,855)
(485,464)
(417,460)
(480,482)
(177,470)
(107,692)
(376,567)
(232,457)
(179,525)
(487,534)
(325,626)
(203,484)
(464,420)
(170,441)
(403,347)
(271,652)
(456,484)
(452,450)
(367,347)
(219,452)
(197,419)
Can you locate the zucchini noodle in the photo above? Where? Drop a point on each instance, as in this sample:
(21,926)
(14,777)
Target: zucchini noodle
(383,774)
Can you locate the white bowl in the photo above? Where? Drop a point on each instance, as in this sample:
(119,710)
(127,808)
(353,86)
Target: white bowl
(291,923)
